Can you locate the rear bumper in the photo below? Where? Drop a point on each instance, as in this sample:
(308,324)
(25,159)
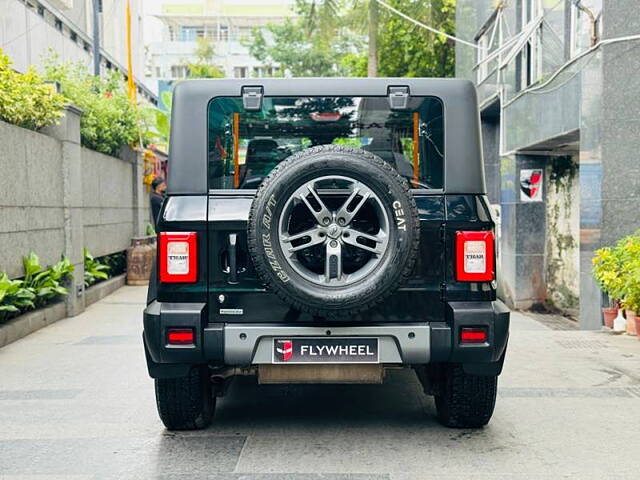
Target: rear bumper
(250,344)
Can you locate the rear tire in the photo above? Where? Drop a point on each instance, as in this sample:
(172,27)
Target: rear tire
(186,403)
(464,400)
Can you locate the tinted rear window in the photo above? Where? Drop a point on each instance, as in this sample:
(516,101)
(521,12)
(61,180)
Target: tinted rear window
(245,146)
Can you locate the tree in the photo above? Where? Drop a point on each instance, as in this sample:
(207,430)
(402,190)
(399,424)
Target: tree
(318,43)
(407,50)
(328,39)
(204,67)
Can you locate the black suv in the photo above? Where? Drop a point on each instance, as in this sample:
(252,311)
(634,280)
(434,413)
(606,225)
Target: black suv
(322,231)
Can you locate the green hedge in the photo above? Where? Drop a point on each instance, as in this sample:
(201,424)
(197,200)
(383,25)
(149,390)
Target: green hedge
(25,100)
(109,120)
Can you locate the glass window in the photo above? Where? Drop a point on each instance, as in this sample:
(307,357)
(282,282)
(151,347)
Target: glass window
(245,146)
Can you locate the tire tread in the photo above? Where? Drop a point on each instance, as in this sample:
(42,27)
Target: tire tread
(465,401)
(185,403)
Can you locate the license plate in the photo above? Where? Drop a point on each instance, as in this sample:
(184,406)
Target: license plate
(325,350)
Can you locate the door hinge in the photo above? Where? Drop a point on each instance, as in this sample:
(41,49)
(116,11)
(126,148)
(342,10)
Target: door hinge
(252,98)
(443,292)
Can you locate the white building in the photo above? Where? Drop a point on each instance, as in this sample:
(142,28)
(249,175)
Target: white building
(31,29)
(226,23)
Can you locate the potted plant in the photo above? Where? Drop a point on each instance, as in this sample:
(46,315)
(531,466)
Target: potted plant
(606,270)
(629,255)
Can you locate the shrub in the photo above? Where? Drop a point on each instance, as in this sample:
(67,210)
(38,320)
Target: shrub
(94,270)
(117,263)
(109,120)
(46,284)
(25,100)
(617,270)
(14,298)
(606,270)
(629,253)
(38,288)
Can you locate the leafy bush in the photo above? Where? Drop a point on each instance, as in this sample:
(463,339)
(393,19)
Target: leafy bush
(629,254)
(46,284)
(94,270)
(25,100)
(117,263)
(14,298)
(606,270)
(109,120)
(38,288)
(617,270)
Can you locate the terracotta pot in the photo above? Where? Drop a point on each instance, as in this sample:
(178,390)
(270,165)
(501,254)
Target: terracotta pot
(637,319)
(631,322)
(140,259)
(609,314)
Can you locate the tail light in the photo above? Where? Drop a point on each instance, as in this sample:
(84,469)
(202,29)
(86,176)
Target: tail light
(473,335)
(180,336)
(178,253)
(474,257)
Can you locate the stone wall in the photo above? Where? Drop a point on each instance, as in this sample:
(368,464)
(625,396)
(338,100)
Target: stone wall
(562,268)
(57,198)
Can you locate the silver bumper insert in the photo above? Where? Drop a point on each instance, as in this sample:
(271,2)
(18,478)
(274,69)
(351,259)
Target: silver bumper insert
(251,344)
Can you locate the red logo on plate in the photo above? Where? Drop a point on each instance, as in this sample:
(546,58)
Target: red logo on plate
(284,350)
(530,182)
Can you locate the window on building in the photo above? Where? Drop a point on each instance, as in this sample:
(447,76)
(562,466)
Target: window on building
(245,32)
(580,31)
(481,55)
(190,33)
(240,72)
(223,33)
(158,72)
(178,71)
(530,57)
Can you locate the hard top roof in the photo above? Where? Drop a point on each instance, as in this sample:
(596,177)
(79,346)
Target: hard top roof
(188,149)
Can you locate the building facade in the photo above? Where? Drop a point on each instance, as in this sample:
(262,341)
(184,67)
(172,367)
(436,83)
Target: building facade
(558,91)
(227,24)
(30,30)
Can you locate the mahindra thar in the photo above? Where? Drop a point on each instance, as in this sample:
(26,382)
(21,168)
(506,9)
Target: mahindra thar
(324,231)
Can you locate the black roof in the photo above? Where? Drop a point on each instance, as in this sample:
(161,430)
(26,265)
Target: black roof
(188,148)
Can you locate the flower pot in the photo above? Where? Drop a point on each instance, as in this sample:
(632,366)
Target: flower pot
(631,322)
(609,314)
(637,320)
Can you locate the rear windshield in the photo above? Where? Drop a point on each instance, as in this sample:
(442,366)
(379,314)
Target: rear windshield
(244,146)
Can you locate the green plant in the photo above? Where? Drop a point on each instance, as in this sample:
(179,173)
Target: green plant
(94,270)
(117,263)
(606,271)
(25,100)
(109,120)
(617,270)
(14,297)
(629,254)
(46,284)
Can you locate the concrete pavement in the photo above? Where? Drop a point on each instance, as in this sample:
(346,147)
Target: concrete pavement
(76,402)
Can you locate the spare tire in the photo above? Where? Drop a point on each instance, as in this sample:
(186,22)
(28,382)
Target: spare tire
(333,230)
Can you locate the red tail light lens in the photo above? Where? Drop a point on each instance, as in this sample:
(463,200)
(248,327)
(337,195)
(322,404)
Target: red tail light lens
(178,253)
(180,336)
(474,257)
(473,335)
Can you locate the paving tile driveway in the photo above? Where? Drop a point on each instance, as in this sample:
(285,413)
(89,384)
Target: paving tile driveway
(76,402)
